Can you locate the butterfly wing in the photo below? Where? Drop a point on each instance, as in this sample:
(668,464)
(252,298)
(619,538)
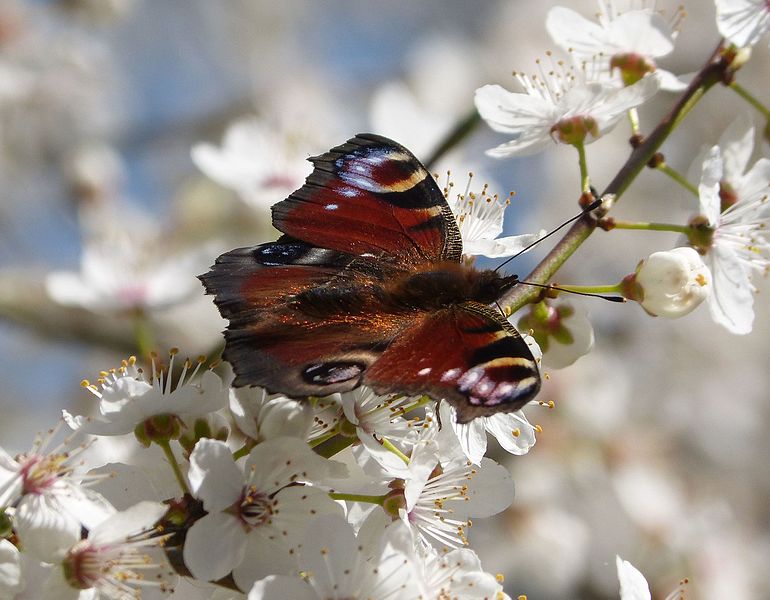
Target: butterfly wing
(303,320)
(466,354)
(371,196)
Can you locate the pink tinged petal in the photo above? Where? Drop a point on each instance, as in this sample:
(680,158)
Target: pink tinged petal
(264,557)
(490,491)
(214,477)
(509,112)
(732,302)
(737,145)
(569,29)
(279,587)
(708,188)
(633,585)
(214,546)
(641,31)
(137,518)
(512,431)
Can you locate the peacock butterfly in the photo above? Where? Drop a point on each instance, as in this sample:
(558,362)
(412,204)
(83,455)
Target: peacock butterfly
(366,286)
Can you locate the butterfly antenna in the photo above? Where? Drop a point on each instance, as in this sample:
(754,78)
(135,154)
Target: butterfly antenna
(595,204)
(561,289)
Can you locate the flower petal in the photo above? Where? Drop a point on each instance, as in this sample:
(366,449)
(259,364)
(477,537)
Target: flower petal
(214,546)
(214,477)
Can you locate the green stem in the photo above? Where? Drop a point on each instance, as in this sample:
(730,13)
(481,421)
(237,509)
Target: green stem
(243,451)
(633,119)
(166,447)
(585,182)
(748,97)
(324,437)
(334,445)
(684,229)
(462,129)
(358,498)
(678,177)
(712,72)
(388,445)
(616,288)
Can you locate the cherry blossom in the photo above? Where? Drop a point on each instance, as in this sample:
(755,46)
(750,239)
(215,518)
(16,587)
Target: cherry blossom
(743,22)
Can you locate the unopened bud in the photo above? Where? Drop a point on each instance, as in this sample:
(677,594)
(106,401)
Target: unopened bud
(670,284)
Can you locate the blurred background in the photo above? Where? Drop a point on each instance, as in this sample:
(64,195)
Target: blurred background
(657,449)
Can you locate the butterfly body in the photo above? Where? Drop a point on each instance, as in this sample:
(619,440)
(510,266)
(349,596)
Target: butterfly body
(366,286)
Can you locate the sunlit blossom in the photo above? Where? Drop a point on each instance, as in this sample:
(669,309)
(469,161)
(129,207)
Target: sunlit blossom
(128,397)
(621,46)
(557,107)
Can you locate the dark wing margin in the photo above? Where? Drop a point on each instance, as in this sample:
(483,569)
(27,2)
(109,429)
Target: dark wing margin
(482,365)
(371,196)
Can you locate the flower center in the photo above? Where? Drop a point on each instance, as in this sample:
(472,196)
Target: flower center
(632,66)
(40,472)
(701,234)
(82,566)
(573,130)
(255,508)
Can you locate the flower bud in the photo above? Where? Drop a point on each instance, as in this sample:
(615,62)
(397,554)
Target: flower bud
(669,284)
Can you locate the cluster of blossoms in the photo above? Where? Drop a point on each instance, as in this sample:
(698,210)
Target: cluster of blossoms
(358,495)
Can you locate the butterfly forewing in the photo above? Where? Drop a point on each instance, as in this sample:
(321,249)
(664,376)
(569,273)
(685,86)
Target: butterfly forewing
(371,196)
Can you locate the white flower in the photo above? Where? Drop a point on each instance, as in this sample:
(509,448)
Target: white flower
(257,513)
(47,487)
(380,418)
(263,416)
(457,574)
(120,558)
(338,565)
(444,489)
(480,217)
(629,42)
(633,585)
(557,108)
(261,164)
(127,267)
(512,431)
(672,283)
(732,232)
(563,332)
(127,398)
(743,22)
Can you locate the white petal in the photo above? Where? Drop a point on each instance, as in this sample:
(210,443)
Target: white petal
(670,82)
(644,32)
(490,490)
(296,507)
(44,527)
(755,183)
(472,437)
(11,581)
(280,461)
(742,22)
(569,29)
(708,189)
(214,546)
(732,302)
(499,247)
(633,585)
(137,518)
(214,477)
(512,431)
(737,144)
(278,587)
(330,552)
(510,112)
(530,142)
(617,103)
(264,557)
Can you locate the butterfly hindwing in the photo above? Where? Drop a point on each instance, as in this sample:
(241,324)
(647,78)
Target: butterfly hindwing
(466,354)
(371,196)
(303,320)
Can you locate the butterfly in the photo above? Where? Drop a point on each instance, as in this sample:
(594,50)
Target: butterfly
(367,286)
